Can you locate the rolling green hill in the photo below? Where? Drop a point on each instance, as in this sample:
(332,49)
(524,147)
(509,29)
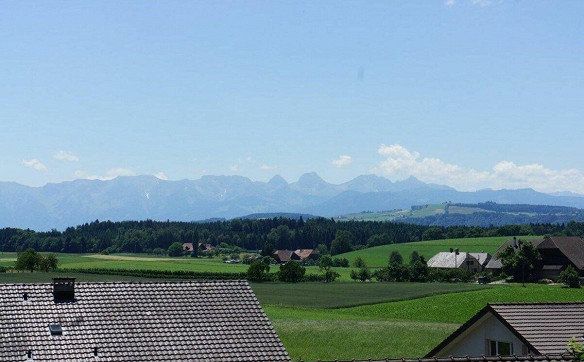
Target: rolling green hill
(377,256)
(481,214)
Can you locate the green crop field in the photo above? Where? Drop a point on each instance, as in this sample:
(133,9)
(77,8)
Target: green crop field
(407,328)
(378,255)
(340,294)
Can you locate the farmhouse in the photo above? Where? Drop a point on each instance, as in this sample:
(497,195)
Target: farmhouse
(557,252)
(284,256)
(516,329)
(172,321)
(455,260)
(188,247)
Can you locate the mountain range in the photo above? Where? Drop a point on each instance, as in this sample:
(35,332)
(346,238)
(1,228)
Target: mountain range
(146,197)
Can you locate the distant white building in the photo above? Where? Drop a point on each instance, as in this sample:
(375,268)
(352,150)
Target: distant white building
(455,260)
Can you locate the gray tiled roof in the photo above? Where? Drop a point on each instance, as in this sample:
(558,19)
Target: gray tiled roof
(184,321)
(445,259)
(547,327)
(483,258)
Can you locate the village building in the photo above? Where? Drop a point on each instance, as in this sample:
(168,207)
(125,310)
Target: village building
(188,247)
(516,330)
(455,260)
(206,248)
(557,253)
(166,321)
(284,256)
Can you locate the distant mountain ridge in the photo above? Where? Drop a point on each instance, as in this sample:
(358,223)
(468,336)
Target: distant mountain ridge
(147,197)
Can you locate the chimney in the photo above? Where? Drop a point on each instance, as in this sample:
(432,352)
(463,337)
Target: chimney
(451,250)
(456,251)
(64,290)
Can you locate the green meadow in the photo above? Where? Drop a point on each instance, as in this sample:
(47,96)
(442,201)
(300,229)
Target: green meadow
(341,320)
(149,262)
(377,256)
(402,328)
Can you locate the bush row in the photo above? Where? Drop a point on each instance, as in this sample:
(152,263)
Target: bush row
(146,273)
(180,274)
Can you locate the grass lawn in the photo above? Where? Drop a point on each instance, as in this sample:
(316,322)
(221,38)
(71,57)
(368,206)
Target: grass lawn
(407,328)
(343,294)
(377,256)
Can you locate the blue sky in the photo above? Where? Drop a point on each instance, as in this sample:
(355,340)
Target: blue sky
(472,93)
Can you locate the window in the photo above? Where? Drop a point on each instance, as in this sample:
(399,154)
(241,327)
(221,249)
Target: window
(499,348)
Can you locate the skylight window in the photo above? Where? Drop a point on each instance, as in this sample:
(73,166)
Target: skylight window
(55,329)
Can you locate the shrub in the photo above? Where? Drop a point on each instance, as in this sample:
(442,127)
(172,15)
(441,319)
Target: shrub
(175,249)
(341,262)
(570,277)
(330,276)
(362,274)
(258,271)
(291,272)
(27,260)
(359,262)
(450,275)
(48,262)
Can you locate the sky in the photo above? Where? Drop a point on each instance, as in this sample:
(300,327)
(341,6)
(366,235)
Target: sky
(469,93)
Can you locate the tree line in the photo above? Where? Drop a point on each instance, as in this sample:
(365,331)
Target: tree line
(331,236)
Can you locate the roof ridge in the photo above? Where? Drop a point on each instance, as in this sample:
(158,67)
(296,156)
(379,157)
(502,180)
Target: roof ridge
(148,282)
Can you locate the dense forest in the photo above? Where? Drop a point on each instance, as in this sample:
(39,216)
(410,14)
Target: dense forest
(278,233)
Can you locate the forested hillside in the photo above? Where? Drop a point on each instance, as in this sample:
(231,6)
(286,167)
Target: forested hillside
(277,233)
(480,214)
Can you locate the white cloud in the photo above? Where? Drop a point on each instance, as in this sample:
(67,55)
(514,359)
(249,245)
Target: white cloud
(35,165)
(161,176)
(342,161)
(109,174)
(234,168)
(65,156)
(400,163)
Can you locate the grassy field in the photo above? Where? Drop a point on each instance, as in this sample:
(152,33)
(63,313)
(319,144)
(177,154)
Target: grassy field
(337,295)
(364,320)
(375,257)
(406,328)
(378,256)
(149,262)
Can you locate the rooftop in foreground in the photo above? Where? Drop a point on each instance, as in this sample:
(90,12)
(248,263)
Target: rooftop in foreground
(172,321)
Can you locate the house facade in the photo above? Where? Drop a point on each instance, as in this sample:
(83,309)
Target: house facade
(557,253)
(516,330)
